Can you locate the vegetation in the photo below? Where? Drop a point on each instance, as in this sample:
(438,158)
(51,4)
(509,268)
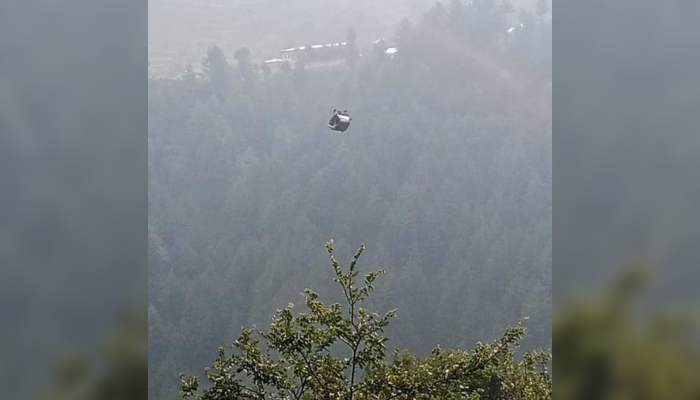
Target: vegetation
(339,352)
(608,351)
(266,26)
(446,169)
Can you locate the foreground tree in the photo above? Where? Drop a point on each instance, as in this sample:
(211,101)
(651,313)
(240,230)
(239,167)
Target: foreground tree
(339,352)
(612,352)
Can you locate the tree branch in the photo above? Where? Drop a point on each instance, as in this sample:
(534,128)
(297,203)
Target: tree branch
(314,375)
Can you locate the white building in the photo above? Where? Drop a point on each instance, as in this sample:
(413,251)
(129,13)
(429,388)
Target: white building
(275,64)
(317,55)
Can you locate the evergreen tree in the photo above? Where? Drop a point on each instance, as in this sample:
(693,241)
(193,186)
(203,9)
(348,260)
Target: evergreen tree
(216,71)
(242,57)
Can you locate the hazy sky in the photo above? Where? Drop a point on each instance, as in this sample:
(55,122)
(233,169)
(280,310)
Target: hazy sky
(179,31)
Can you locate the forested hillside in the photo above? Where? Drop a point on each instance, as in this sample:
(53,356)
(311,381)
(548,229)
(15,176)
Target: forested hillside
(445,174)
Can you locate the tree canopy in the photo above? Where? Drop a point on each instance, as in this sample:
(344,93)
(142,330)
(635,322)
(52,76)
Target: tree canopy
(336,351)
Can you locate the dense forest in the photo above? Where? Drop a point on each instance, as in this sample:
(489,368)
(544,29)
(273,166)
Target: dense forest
(445,174)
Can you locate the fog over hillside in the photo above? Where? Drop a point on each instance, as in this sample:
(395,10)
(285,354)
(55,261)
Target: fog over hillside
(444,172)
(179,31)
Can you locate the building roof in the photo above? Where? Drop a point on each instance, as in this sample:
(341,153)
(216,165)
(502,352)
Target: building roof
(315,46)
(513,28)
(391,50)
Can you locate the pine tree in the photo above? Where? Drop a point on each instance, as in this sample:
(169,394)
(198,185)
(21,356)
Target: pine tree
(216,71)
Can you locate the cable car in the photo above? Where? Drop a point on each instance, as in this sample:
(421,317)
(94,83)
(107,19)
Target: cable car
(339,121)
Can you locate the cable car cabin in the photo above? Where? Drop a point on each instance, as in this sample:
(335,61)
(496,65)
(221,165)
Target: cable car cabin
(339,121)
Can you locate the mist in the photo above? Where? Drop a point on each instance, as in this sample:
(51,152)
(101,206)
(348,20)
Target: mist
(444,172)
